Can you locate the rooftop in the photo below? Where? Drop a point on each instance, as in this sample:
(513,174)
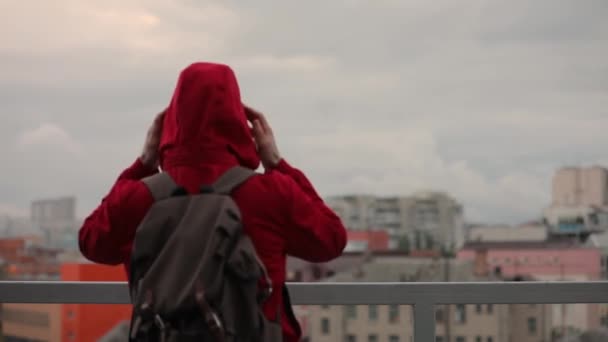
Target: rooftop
(409,269)
(551,243)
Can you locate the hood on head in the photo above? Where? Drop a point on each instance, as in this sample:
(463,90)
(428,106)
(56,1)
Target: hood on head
(205,123)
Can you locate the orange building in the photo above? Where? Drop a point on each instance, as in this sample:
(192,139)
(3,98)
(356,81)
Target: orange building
(89,322)
(11,249)
(31,322)
(67,322)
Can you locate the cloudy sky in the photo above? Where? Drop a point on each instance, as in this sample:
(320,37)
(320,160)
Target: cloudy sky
(480,98)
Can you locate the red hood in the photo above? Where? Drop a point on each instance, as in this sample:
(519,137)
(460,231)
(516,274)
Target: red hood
(205,123)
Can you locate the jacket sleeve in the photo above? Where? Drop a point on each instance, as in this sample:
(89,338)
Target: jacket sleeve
(107,233)
(313,232)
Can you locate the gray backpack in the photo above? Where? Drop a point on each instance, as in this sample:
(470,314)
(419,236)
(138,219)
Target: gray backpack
(194,273)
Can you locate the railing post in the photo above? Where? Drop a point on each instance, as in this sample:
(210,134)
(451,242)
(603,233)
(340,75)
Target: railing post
(424,321)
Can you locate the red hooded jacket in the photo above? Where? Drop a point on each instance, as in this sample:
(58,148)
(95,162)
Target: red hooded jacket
(205,132)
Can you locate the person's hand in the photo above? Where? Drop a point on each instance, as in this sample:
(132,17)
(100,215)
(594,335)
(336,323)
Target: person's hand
(264,138)
(149,154)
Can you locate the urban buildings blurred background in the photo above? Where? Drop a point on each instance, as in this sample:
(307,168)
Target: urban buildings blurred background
(420,237)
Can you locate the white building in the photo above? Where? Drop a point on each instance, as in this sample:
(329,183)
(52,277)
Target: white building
(423,217)
(56,219)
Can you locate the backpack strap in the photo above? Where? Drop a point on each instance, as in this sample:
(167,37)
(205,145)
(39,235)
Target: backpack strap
(161,185)
(231,179)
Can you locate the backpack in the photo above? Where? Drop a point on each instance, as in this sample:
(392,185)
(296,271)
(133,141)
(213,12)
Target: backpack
(194,273)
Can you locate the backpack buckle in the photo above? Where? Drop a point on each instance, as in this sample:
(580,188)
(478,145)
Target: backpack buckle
(160,324)
(162,328)
(213,321)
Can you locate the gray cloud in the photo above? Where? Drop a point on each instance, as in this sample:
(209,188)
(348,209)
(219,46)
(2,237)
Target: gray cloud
(483,99)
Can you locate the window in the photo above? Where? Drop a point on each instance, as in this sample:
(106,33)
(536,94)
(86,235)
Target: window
(532,326)
(490,309)
(478,339)
(490,339)
(478,308)
(351,338)
(325,326)
(372,338)
(393,313)
(372,312)
(439,315)
(461,339)
(439,339)
(351,311)
(393,338)
(460,315)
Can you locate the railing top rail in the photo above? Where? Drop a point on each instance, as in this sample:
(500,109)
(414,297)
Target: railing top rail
(337,293)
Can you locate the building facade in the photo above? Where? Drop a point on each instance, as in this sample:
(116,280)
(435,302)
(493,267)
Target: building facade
(454,323)
(31,322)
(56,219)
(355,211)
(579,204)
(67,322)
(90,322)
(576,220)
(493,233)
(551,260)
(576,186)
(425,219)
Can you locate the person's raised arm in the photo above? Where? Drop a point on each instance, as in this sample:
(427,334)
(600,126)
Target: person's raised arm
(313,232)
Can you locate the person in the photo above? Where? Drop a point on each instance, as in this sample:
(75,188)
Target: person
(205,131)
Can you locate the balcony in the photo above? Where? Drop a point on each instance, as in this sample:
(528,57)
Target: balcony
(421,296)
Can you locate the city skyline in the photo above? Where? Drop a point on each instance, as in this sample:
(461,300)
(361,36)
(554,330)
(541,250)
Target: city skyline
(23,213)
(483,99)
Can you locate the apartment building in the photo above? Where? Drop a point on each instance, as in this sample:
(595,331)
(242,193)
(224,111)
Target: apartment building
(427,219)
(579,203)
(454,323)
(555,259)
(56,219)
(356,211)
(579,186)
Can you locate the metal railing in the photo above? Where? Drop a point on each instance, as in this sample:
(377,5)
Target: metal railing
(422,296)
